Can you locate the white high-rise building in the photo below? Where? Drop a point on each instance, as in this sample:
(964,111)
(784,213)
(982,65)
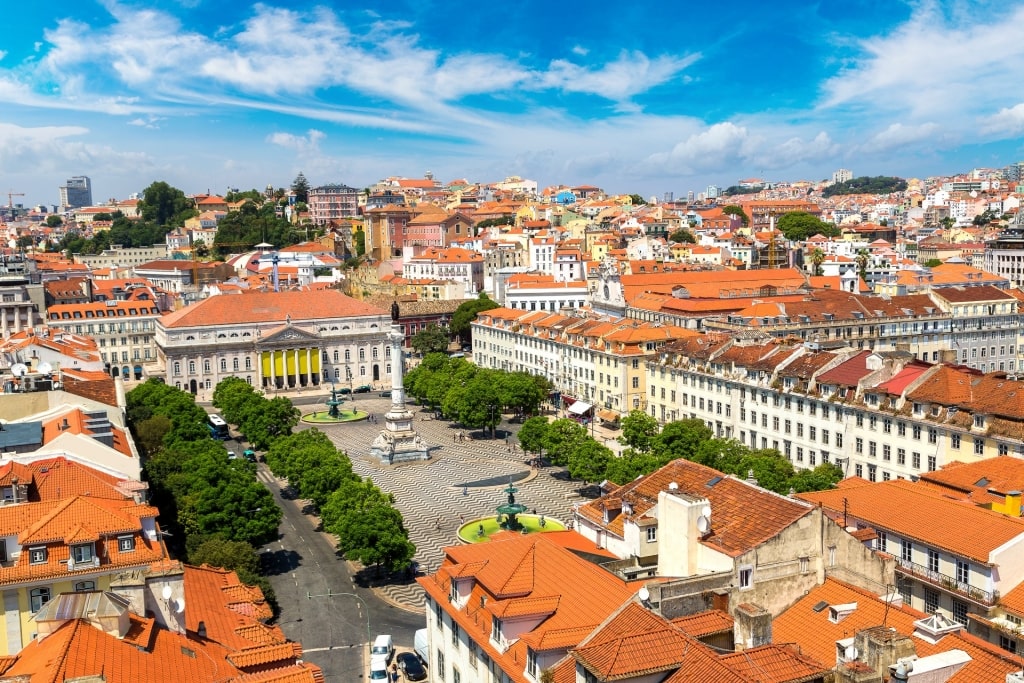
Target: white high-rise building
(75,193)
(842,175)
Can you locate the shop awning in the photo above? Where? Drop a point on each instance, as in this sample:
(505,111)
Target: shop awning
(608,415)
(580,407)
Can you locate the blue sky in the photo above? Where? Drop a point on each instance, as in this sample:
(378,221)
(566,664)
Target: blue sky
(637,97)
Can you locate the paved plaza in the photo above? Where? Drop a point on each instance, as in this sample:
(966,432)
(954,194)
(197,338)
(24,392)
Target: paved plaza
(463,480)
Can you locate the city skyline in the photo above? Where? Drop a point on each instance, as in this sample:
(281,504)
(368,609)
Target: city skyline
(639,100)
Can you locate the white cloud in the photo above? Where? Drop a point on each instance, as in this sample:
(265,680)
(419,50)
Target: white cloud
(1009,121)
(310,143)
(51,148)
(629,75)
(151,122)
(580,50)
(898,135)
(935,64)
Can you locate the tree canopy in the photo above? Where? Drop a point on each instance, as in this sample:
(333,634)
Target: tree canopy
(682,236)
(300,186)
(800,225)
(165,205)
(431,339)
(735,210)
(866,185)
(466,313)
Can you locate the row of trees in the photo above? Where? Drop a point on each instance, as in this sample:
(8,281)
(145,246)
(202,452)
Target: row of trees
(369,528)
(648,447)
(866,185)
(259,419)
(212,507)
(474,396)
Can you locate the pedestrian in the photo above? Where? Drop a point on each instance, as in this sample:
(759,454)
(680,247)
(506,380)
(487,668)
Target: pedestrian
(465,490)
(437,524)
(394,674)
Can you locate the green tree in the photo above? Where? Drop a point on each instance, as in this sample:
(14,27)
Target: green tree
(269,420)
(947,222)
(630,465)
(589,460)
(359,239)
(800,225)
(817,258)
(150,433)
(862,259)
(736,210)
(432,339)
(300,186)
(466,313)
(823,477)
(681,439)
(638,431)
(165,205)
(562,438)
(533,434)
(53,221)
(933,263)
(376,537)
(479,403)
(682,236)
(771,470)
(637,200)
(237,556)
(522,392)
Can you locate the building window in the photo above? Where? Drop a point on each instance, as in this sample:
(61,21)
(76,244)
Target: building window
(963,571)
(177,367)
(915,460)
(126,543)
(191,367)
(931,601)
(440,665)
(931,463)
(652,534)
(37,555)
(906,550)
(1008,644)
(954,441)
(883,542)
(248,363)
(960,612)
(37,597)
(496,629)
(224,365)
(933,560)
(85,586)
(531,662)
(979,446)
(746,577)
(82,553)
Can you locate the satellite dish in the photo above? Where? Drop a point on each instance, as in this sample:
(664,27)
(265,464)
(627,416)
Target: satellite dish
(703,524)
(19,369)
(706,511)
(850,653)
(644,594)
(179,605)
(166,593)
(44,368)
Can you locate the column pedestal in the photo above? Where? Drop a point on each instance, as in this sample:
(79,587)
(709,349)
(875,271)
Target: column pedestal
(398,441)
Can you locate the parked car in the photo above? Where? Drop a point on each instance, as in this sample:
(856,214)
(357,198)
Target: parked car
(410,665)
(383,650)
(362,389)
(378,670)
(249,454)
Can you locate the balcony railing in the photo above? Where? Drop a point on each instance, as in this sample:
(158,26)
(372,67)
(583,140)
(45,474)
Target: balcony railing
(948,583)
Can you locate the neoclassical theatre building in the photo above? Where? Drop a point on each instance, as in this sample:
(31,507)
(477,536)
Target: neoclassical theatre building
(280,340)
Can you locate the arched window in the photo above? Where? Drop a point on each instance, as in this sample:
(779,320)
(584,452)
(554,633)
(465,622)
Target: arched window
(208,384)
(362,354)
(348,355)
(335,355)
(177,367)
(248,363)
(248,380)
(337,373)
(388,368)
(234,364)
(387,352)
(224,365)
(362,371)
(374,353)
(206,366)
(191,367)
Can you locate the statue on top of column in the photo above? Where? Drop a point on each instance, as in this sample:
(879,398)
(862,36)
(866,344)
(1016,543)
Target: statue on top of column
(394,311)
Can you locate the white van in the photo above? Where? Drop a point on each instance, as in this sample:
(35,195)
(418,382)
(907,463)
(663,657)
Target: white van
(378,670)
(382,651)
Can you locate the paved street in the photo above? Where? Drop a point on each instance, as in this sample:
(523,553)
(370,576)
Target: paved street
(431,495)
(335,624)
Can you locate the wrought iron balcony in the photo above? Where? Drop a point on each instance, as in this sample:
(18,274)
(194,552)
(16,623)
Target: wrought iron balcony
(947,583)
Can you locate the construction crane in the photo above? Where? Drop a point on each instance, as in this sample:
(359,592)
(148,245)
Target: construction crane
(10,199)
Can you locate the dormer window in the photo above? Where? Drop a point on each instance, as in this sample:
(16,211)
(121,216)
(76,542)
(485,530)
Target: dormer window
(918,409)
(496,629)
(979,421)
(37,555)
(83,554)
(126,543)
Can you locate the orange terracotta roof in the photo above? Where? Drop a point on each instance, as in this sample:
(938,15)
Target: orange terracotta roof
(734,530)
(816,634)
(258,307)
(922,514)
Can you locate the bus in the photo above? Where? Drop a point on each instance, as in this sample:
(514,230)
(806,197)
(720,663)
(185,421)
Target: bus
(218,427)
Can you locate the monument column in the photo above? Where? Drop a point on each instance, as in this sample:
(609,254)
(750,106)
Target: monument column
(398,441)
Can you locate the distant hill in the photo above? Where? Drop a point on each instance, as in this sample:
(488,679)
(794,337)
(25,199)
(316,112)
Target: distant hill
(880,184)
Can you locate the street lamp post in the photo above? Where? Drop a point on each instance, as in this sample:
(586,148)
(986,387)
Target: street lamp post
(331,594)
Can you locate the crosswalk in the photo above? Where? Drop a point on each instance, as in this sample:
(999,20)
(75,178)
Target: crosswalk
(435,497)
